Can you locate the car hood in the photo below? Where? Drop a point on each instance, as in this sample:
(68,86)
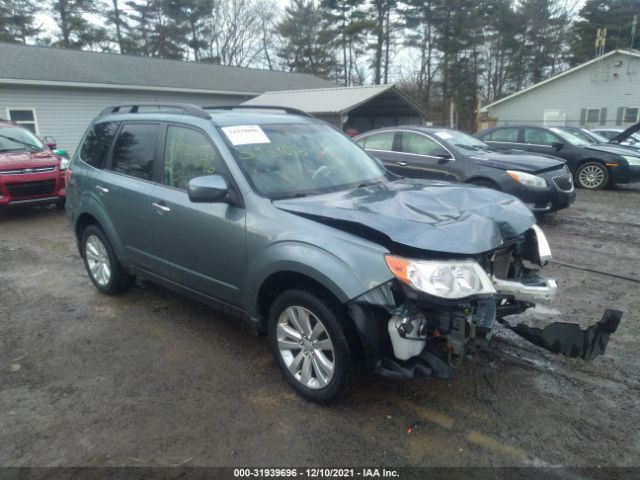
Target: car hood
(427,215)
(513,160)
(608,148)
(14,160)
(622,136)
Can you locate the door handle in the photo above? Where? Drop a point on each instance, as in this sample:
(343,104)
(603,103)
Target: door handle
(161,207)
(401,163)
(102,189)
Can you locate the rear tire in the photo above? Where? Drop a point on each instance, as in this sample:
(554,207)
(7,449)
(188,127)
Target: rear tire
(104,269)
(311,341)
(592,176)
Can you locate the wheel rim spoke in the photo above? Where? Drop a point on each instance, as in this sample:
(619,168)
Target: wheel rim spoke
(287,332)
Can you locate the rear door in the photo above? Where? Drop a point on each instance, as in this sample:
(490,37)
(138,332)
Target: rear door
(197,245)
(504,138)
(124,189)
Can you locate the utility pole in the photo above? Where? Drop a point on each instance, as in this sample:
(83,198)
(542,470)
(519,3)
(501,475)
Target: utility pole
(633,30)
(601,39)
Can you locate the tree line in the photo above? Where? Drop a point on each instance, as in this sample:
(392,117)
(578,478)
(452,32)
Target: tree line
(448,54)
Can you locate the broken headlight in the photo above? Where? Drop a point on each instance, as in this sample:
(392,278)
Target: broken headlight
(446,279)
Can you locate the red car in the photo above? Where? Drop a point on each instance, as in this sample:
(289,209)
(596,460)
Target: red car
(30,173)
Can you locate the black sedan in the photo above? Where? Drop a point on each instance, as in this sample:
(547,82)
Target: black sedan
(594,166)
(544,183)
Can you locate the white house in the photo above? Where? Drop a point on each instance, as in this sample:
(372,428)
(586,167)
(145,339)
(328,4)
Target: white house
(602,91)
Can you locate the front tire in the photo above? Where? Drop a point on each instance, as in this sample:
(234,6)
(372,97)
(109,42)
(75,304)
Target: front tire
(592,176)
(309,338)
(104,269)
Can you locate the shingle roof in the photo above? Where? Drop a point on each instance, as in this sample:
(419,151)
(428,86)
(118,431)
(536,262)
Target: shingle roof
(337,100)
(53,65)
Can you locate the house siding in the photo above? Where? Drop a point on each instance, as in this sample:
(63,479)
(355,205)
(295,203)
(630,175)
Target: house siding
(602,85)
(65,113)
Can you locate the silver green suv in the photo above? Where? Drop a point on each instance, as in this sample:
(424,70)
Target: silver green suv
(282,221)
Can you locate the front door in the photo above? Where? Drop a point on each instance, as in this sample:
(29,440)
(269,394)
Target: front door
(421,158)
(197,245)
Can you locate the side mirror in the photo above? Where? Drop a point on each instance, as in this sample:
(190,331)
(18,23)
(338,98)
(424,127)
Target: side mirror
(557,146)
(50,142)
(210,189)
(442,154)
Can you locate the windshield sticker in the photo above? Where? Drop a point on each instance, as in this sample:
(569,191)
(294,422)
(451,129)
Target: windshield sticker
(444,135)
(245,135)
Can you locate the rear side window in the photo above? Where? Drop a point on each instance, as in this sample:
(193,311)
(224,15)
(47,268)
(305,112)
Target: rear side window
(380,141)
(503,135)
(134,150)
(189,154)
(97,142)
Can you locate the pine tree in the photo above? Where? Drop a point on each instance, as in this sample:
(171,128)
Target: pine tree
(308,43)
(614,15)
(17,20)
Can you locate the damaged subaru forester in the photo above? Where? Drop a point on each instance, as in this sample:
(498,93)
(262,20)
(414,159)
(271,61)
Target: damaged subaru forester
(279,219)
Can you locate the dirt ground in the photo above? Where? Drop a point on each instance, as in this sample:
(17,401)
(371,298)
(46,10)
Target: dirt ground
(152,378)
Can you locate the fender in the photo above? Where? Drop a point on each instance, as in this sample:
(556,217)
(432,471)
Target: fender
(334,270)
(89,204)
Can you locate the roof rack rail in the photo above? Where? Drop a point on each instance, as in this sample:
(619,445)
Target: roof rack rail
(184,109)
(293,111)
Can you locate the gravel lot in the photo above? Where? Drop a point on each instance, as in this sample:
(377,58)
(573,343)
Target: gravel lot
(152,378)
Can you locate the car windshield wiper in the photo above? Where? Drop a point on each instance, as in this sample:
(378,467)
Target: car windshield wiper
(26,144)
(287,196)
(369,184)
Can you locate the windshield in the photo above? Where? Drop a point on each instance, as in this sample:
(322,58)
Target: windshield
(569,137)
(17,139)
(598,138)
(288,160)
(462,140)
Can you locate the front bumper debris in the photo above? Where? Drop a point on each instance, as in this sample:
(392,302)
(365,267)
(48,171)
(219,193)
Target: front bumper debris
(569,339)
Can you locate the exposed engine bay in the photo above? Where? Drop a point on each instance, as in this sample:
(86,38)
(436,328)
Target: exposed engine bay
(421,332)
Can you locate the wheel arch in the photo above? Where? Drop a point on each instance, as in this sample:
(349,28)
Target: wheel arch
(483,179)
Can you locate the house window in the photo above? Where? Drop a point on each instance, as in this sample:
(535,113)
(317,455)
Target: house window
(593,116)
(630,115)
(25,117)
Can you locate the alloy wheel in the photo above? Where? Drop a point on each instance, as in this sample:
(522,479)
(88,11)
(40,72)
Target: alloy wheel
(591,176)
(305,347)
(98,260)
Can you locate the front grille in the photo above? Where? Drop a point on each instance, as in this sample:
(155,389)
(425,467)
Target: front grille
(564,182)
(26,171)
(501,262)
(28,189)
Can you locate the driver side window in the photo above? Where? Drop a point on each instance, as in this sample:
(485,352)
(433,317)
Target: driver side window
(418,144)
(189,154)
(539,137)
